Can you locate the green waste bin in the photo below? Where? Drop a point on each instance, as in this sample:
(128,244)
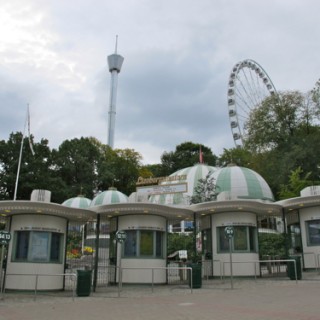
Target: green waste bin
(84,282)
(196,275)
(290,268)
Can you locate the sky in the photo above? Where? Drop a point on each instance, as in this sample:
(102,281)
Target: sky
(178,56)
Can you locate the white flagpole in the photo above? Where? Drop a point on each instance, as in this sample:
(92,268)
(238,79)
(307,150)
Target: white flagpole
(20,157)
(29,134)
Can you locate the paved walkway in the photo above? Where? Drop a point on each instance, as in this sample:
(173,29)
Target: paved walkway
(249,299)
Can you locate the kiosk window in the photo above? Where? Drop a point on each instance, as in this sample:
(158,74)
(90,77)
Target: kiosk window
(244,239)
(143,243)
(37,246)
(313,232)
(22,245)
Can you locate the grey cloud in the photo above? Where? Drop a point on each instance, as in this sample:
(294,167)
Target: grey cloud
(173,84)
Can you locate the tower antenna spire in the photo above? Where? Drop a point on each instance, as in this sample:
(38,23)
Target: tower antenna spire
(115,63)
(116,48)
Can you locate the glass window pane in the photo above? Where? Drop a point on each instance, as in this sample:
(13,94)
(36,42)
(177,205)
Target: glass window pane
(159,245)
(252,239)
(130,245)
(313,230)
(56,240)
(223,241)
(22,245)
(39,246)
(146,243)
(240,239)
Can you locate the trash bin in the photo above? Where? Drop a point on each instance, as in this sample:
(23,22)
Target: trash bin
(196,275)
(290,268)
(84,282)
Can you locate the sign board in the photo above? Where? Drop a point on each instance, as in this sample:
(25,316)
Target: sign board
(228,232)
(5,237)
(163,189)
(183,254)
(121,236)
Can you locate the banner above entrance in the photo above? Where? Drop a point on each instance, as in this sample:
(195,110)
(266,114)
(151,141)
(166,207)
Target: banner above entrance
(162,189)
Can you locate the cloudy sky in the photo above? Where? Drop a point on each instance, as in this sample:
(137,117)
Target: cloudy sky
(173,84)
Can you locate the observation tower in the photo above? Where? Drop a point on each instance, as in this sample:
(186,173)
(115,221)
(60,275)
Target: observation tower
(114,62)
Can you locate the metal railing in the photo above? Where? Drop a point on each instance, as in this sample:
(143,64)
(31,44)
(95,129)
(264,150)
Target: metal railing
(152,269)
(37,275)
(255,262)
(207,269)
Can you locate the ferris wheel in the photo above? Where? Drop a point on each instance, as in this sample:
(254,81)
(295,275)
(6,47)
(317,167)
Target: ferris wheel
(249,85)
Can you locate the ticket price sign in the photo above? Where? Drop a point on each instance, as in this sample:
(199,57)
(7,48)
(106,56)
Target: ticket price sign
(5,237)
(229,232)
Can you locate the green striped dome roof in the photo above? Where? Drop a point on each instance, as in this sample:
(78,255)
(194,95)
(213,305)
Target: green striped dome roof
(242,183)
(79,202)
(112,196)
(193,174)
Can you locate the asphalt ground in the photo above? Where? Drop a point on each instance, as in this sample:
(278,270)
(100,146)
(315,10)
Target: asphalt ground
(248,299)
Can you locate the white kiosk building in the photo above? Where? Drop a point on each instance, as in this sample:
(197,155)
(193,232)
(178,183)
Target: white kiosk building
(37,250)
(40,229)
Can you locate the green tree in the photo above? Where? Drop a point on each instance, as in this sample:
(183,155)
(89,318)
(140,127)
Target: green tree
(205,190)
(155,170)
(272,244)
(127,169)
(36,171)
(178,242)
(297,182)
(284,134)
(315,94)
(186,155)
(76,164)
(239,156)
(278,118)
(120,168)
(106,168)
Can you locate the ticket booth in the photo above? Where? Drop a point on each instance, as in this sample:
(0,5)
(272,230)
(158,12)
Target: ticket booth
(36,251)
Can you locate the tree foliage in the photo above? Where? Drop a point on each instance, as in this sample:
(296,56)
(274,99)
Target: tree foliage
(76,163)
(283,134)
(127,167)
(35,171)
(186,155)
(297,182)
(272,244)
(239,156)
(178,242)
(205,190)
(78,166)
(279,118)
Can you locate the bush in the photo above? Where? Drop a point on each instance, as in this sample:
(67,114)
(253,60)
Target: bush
(272,244)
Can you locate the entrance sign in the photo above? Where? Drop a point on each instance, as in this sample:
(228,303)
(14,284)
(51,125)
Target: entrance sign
(229,232)
(5,237)
(121,236)
(162,189)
